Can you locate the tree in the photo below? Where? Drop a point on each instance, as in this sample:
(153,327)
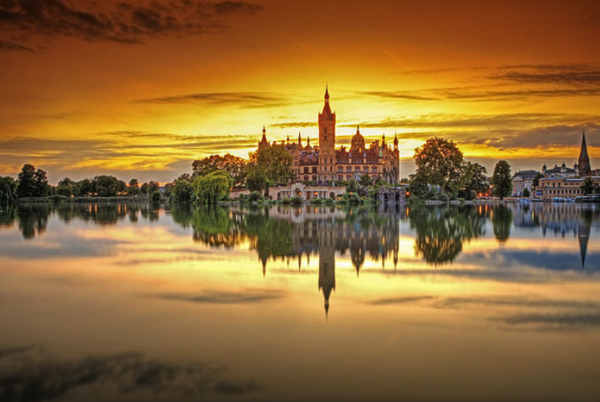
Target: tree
(231,164)
(108,186)
(418,187)
(185,176)
(144,188)
(213,187)
(134,187)
(501,180)
(32,183)
(365,180)
(440,162)
(8,190)
(66,187)
(84,187)
(526,192)
(153,187)
(477,181)
(182,192)
(587,187)
(276,163)
(536,180)
(256,180)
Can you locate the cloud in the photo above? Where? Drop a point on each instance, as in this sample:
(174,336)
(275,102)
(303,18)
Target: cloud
(295,124)
(479,94)
(399,300)
(43,377)
(6,45)
(242,99)
(564,74)
(244,296)
(127,23)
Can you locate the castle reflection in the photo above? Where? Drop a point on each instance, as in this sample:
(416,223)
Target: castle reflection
(294,235)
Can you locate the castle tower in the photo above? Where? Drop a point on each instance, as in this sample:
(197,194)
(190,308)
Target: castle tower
(584,159)
(263,141)
(326,141)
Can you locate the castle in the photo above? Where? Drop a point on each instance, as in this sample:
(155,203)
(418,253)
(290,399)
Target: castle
(323,164)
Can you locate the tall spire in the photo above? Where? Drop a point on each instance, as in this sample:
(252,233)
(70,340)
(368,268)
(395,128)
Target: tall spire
(299,140)
(327,113)
(584,158)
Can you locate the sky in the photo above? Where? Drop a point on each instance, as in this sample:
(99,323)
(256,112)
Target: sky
(140,89)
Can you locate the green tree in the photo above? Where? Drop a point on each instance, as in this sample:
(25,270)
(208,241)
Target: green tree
(477,180)
(182,192)
(153,187)
(502,180)
(256,180)
(526,193)
(108,186)
(144,188)
(212,188)
(8,190)
(440,162)
(536,180)
(418,186)
(84,188)
(66,187)
(234,165)
(587,186)
(365,180)
(134,187)
(276,163)
(352,186)
(32,183)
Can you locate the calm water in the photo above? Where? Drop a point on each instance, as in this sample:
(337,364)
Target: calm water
(133,303)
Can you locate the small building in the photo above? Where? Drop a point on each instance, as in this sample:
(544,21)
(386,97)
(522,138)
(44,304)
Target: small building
(523,180)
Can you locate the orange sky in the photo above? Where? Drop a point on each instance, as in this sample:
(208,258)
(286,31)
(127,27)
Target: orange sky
(141,88)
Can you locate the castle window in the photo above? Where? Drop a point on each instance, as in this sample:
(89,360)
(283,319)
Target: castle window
(314,170)
(374,170)
(348,177)
(305,170)
(366,169)
(348,168)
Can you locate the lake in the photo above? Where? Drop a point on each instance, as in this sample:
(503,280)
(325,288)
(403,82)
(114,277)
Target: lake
(130,302)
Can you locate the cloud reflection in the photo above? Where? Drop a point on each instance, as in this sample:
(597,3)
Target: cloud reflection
(244,296)
(43,377)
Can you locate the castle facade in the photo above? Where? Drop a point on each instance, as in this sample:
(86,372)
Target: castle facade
(323,163)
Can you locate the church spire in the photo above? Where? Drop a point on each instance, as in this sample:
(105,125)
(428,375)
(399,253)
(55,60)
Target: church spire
(584,159)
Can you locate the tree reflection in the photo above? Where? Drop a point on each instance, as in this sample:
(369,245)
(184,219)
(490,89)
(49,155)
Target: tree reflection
(440,232)
(502,219)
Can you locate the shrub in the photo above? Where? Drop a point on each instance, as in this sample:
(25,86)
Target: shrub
(297,200)
(444,197)
(255,196)
(286,200)
(316,201)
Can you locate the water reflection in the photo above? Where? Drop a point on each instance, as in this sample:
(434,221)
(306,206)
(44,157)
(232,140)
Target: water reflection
(134,302)
(299,233)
